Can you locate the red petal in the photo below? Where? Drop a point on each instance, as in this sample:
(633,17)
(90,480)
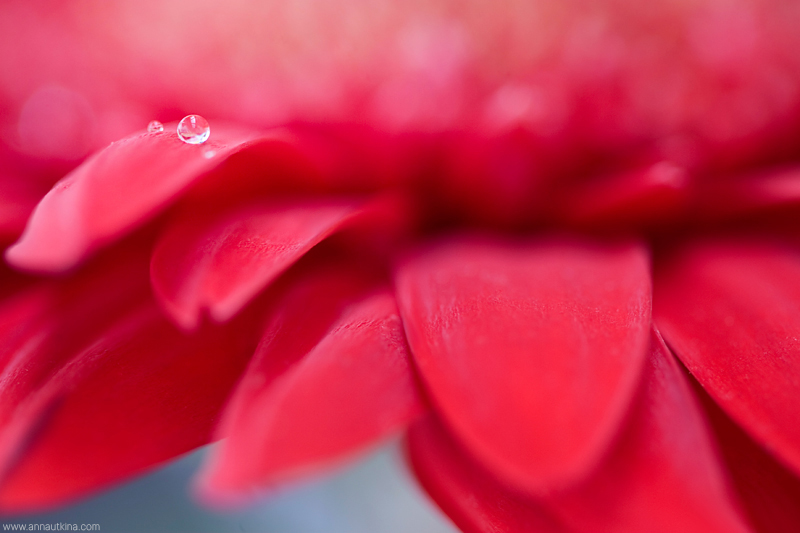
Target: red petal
(731,312)
(141,394)
(532,353)
(116,190)
(330,377)
(473,499)
(46,324)
(769,491)
(646,195)
(750,193)
(221,263)
(664,473)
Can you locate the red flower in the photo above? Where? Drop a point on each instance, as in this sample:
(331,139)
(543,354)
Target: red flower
(493,228)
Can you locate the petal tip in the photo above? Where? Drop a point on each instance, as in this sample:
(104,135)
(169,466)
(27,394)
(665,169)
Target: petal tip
(24,257)
(216,487)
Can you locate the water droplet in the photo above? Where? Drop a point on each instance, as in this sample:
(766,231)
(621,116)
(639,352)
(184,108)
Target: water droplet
(155,127)
(193,129)
(208,154)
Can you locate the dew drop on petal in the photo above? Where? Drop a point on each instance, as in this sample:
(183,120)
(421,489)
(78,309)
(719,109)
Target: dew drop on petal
(155,127)
(193,129)
(208,154)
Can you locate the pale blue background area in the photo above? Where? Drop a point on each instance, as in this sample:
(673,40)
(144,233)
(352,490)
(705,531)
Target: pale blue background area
(376,495)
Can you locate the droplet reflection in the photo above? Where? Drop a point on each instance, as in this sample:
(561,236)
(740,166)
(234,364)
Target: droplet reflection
(155,127)
(193,129)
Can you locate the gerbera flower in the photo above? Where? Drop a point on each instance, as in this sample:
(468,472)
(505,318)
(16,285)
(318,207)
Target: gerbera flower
(553,244)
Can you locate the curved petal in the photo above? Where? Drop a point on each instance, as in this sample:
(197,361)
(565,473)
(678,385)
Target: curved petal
(769,491)
(142,393)
(531,352)
(664,473)
(46,324)
(731,312)
(330,377)
(646,195)
(219,259)
(471,497)
(221,263)
(118,189)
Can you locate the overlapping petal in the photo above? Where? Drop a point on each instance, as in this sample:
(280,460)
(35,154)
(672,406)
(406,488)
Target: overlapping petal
(45,324)
(731,312)
(118,189)
(769,491)
(663,473)
(470,496)
(330,377)
(220,262)
(530,351)
(219,259)
(67,437)
(97,385)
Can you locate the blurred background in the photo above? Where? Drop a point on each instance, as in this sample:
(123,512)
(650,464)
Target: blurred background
(375,495)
